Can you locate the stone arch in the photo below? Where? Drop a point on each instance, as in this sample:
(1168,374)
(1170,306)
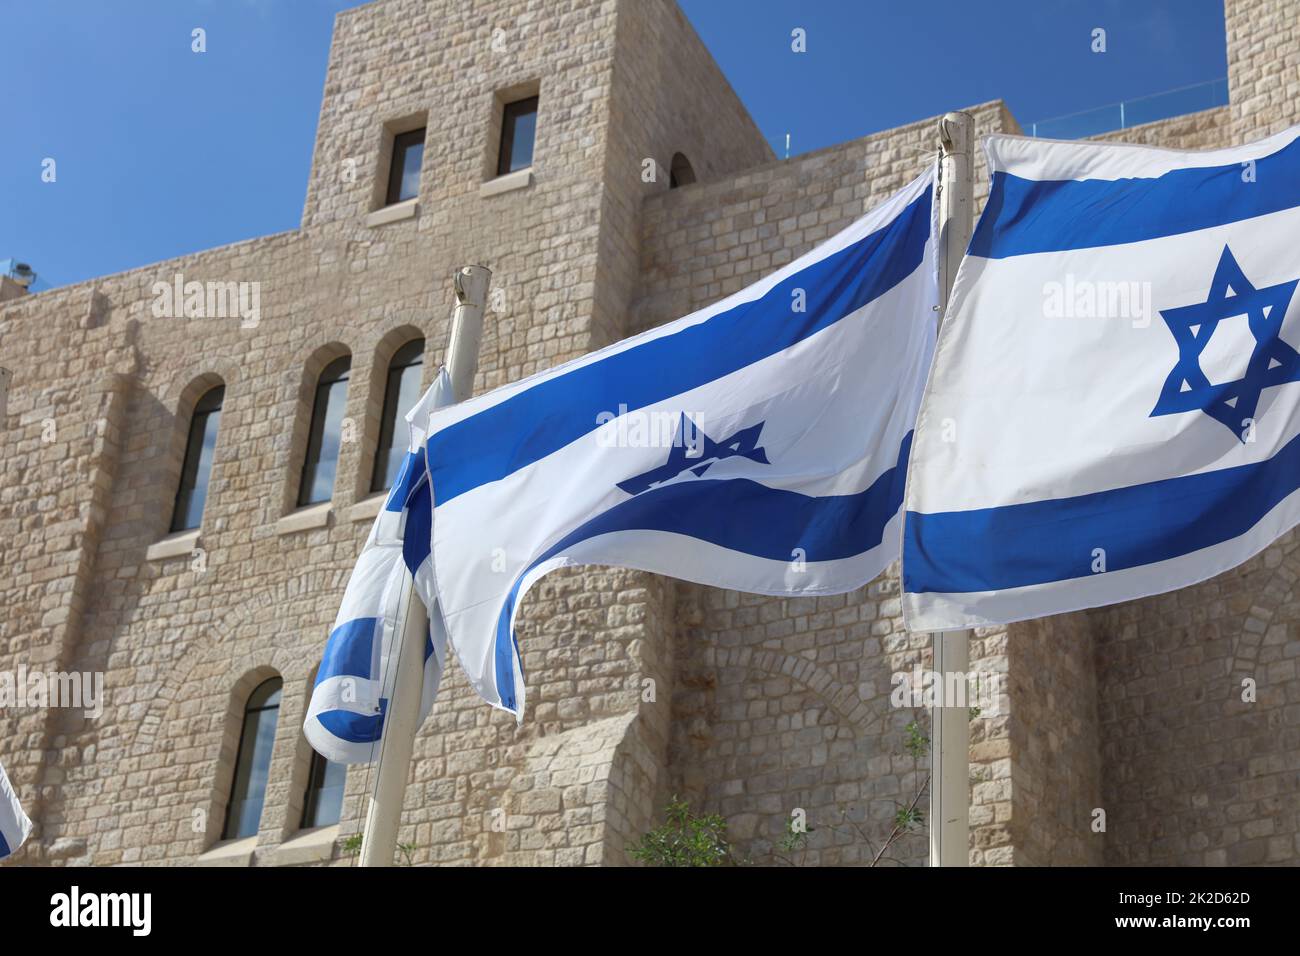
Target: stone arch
(863,716)
(194,379)
(387,345)
(831,759)
(209,653)
(313,364)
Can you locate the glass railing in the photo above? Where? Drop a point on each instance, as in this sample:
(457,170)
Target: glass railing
(1135,112)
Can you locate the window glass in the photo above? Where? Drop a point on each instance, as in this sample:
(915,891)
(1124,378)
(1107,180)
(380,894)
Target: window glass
(518,129)
(324,804)
(321,463)
(401,392)
(253,762)
(404,173)
(196,468)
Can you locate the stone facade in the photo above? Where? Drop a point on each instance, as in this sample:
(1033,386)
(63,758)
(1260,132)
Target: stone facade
(640,687)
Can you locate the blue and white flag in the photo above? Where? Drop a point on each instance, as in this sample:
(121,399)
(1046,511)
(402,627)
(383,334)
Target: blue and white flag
(345,718)
(14,825)
(758,444)
(1115,401)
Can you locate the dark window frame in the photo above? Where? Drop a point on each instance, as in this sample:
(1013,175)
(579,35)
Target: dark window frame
(337,372)
(392,395)
(277,694)
(208,406)
(511,113)
(402,144)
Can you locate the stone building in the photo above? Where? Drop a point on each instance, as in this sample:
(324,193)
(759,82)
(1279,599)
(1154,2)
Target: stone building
(760,706)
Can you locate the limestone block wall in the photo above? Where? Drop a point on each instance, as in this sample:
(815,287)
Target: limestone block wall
(1199,703)
(1204,130)
(1053,740)
(52,521)
(1263,65)
(667,97)
(782,708)
(401,64)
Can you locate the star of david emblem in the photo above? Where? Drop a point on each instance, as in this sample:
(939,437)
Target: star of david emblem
(1272,362)
(696,452)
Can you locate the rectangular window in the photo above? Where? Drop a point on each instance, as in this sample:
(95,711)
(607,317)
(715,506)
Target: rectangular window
(518,129)
(404,173)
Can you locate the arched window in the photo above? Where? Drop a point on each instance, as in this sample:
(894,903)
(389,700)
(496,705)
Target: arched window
(680,173)
(197,467)
(257,736)
(323,805)
(322,459)
(401,392)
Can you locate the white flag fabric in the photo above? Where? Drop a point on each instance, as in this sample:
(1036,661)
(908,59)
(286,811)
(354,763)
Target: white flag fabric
(1115,401)
(758,444)
(14,825)
(349,702)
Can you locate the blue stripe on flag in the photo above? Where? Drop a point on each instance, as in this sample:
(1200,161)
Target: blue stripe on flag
(1042,541)
(534,423)
(4,847)
(355,728)
(1025,216)
(349,650)
(737,514)
(417,537)
(409,476)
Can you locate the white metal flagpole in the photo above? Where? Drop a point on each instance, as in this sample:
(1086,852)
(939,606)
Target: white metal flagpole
(950,725)
(379,842)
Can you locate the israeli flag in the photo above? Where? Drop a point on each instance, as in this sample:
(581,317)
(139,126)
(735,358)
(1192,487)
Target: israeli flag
(1115,401)
(349,702)
(758,444)
(14,825)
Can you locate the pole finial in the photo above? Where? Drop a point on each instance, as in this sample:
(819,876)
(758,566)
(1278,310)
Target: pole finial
(955,132)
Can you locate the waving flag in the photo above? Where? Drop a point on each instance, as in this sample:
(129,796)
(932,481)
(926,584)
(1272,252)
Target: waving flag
(757,444)
(14,825)
(345,718)
(1115,401)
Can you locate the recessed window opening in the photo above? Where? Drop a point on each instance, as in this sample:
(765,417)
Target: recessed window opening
(518,131)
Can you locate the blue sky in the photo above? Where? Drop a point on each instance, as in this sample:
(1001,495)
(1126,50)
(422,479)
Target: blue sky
(161,151)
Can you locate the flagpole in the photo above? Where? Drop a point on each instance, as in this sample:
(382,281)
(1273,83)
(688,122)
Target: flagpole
(950,726)
(384,814)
